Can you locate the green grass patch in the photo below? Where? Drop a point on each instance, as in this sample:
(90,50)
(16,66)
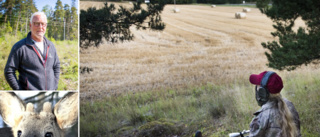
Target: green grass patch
(208,108)
(216,110)
(68,56)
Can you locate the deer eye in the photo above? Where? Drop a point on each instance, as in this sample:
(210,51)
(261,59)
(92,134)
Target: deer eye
(48,134)
(19,133)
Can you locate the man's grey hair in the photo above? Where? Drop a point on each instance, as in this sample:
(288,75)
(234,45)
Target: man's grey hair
(38,13)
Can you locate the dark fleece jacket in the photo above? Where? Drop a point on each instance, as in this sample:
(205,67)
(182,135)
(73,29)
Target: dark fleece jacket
(36,71)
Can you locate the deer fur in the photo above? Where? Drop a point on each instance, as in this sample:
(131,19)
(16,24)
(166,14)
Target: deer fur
(25,122)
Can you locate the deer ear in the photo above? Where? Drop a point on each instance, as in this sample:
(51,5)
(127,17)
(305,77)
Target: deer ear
(66,110)
(11,108)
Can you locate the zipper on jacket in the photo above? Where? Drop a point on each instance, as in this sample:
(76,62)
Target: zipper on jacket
(38,54)
(43,62)
(45,70)
(45,75)
(27,83)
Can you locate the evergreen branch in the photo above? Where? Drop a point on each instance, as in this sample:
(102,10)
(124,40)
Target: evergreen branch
(115,26)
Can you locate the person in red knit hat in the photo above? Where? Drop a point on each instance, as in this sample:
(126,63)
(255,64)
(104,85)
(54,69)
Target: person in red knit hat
(277,116)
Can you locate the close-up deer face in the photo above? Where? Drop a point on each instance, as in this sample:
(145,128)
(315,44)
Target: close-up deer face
(25,122)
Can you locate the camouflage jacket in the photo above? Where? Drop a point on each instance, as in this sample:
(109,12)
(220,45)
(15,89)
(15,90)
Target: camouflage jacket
(266,122)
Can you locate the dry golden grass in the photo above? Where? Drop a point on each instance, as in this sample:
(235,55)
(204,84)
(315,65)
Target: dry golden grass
(199,45)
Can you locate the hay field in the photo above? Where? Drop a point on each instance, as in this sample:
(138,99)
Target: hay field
(199,45)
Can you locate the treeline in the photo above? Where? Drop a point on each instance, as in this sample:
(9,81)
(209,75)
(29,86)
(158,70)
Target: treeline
(191,1)
(62,21)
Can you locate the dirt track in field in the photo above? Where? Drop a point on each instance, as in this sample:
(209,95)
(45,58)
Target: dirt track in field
(200,45)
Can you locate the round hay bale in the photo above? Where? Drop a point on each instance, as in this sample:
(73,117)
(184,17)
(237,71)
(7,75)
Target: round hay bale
(176,10)
(246,10)
(213,6)
(240,15)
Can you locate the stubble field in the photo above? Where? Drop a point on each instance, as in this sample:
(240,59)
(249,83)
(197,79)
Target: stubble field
(199,45)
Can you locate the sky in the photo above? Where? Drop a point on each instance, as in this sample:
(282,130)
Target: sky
(52,3)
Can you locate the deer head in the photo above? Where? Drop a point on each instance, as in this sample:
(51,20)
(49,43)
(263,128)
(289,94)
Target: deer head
(48,123)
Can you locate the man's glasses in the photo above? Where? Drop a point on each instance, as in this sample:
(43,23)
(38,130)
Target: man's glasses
(37,24)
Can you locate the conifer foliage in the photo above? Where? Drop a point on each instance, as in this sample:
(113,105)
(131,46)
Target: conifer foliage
(295,47)
(62,21)
(113,24)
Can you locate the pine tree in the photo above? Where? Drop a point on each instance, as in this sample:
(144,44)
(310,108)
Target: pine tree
(74,21)
(17,13)
(8,7)
(67,20)
(30,9)
(114,26)
(58,21)
(294,48)
(47,9)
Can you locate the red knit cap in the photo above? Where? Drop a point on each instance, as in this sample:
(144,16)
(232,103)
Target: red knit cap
(274,84)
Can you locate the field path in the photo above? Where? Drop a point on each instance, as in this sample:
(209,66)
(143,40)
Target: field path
(200,45)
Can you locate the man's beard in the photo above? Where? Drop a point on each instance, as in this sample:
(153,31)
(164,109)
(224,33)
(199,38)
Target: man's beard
(40,35)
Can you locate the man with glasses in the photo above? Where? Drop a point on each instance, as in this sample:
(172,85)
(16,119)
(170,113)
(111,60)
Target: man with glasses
(35,58)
